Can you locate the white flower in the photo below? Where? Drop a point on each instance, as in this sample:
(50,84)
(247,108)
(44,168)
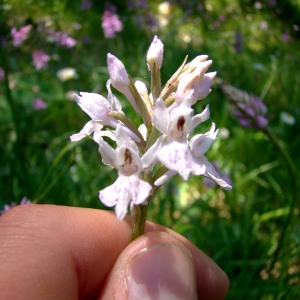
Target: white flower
(98,108)
(185,159)
(125,191)
(179,157)
(287,118)
(178,123)
(177,154)
(128,189)
(66,74)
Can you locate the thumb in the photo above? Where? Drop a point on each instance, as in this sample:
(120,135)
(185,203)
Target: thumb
(154,266)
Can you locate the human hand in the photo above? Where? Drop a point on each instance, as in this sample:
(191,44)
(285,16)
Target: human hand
(57,252)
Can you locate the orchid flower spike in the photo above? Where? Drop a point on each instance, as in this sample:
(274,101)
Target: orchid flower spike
(165,135)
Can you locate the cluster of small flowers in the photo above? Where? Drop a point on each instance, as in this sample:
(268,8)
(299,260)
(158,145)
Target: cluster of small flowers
(111,23)
(40,59)
(13,204)
(62,39)
(163,138)
(39,104)
(249,109)
(18,36)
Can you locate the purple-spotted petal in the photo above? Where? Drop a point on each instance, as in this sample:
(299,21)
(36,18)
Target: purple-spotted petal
(177,157)
(127,190)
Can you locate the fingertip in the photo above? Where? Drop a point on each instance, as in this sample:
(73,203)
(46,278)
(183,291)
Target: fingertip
(212,281)
(154,266)
(137,268)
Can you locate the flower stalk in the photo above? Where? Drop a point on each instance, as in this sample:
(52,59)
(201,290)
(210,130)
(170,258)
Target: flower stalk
(292,170)
(250,111)
(139,216)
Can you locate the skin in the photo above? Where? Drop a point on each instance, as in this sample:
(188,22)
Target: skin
(57,252)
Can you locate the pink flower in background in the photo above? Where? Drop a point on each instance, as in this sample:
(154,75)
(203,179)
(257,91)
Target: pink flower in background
(40,59)
(39,104)
(1,74)
(63,39)
(7,207)
(20,35)
(258,5)
(286,37)
(263,25)
(111,23)
(249,110)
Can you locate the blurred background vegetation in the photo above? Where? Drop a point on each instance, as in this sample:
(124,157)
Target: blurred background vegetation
(253,231)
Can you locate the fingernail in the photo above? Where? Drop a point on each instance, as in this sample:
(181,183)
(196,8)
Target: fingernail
(161,272)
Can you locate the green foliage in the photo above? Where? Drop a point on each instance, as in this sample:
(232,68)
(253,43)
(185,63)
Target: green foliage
(240,229)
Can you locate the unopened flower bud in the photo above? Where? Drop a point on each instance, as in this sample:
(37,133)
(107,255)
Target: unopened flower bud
(196,61)
(196,86)
(119,78)
(141,87)
(155,54)
(117,72)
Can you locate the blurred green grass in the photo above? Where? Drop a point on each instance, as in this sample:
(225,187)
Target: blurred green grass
(239,229)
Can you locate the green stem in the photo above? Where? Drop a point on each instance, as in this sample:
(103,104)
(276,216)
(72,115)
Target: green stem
(155,83)
(293,175)
(288,161)
(139,215)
